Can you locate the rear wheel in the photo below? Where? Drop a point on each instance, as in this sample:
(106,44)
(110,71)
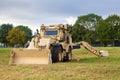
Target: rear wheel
(68,56)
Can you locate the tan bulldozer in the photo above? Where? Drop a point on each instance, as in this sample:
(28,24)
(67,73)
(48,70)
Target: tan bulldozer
(52,44)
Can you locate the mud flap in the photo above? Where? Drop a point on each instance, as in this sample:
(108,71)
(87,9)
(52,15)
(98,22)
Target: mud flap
(30,56)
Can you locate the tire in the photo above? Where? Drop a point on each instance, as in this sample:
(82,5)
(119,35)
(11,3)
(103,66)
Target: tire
(56,54)
(68,56)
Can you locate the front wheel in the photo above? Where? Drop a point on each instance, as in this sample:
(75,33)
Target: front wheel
(56,54)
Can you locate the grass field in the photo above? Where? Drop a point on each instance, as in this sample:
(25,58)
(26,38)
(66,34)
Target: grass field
(89,67)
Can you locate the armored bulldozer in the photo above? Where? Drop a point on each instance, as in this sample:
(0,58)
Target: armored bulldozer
(52,44)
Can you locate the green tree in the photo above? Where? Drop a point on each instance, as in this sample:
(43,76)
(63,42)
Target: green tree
(89,21)
(4,29)
(103,31)
(16,36)
(109,29)
(26,30)
(84,28)
(78,33)
(114,22)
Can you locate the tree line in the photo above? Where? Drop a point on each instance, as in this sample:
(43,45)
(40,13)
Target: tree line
(11,36)
(93,28)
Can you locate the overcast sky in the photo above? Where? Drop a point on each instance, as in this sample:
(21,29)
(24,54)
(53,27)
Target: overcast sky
(33,13)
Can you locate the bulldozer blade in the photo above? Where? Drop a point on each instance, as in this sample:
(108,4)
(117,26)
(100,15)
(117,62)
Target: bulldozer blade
(30,56)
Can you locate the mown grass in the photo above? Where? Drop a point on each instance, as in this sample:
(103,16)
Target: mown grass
(4,55)
(89,67)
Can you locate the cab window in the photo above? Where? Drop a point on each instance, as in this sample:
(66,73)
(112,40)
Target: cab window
(51,32)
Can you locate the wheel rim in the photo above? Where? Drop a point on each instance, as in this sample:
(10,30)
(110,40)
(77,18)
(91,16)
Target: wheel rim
(60,57)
